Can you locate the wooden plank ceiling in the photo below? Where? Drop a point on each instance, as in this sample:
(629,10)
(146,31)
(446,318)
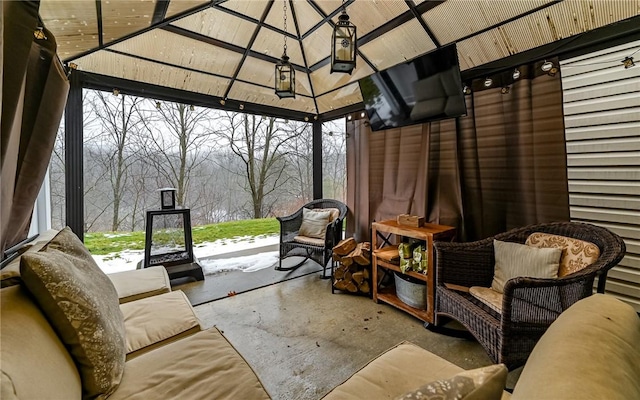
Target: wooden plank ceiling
(227,49)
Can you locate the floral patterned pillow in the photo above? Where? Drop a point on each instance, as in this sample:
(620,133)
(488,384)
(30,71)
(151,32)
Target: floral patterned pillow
(576,253)
(82,305)
(486,383)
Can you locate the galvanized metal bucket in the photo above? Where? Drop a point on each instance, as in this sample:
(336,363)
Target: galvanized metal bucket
(410,293)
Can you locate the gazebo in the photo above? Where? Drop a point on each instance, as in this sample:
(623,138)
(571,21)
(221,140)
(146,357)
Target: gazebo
(222,53)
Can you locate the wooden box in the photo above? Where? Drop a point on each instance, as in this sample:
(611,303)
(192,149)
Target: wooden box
(410,220)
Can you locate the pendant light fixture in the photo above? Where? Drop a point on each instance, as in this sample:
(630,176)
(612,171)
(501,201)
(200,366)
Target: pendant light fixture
(343,44)
(285,79)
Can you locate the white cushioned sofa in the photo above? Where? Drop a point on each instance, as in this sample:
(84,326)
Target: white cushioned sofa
(59,341)
(590,352)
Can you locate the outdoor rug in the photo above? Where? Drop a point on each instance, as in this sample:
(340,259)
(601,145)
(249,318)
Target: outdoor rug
(223,284)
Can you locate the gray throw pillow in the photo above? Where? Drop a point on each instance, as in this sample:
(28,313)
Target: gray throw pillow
(514,260)
(82,305)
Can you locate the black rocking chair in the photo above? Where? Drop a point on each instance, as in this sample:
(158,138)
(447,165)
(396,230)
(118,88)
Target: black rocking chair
(319,250)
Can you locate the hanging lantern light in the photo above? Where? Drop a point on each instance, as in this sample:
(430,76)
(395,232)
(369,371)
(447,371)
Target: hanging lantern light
(285,77)
(344,44)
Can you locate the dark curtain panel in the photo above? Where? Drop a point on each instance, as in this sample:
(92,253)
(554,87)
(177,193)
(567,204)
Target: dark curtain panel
(358,219)
(34,93)
(500,167)
(390,180)
(512,154)
(444,201)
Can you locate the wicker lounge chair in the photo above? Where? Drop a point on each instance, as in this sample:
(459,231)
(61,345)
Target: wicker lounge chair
(319,250)
(529,305)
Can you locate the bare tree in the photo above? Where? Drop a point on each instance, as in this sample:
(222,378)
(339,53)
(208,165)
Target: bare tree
(300,168)
(118,139)
(139,192)
(57,181)
(334,159)
(57,171)
(230,186)
(179,142)
(260,143)
(229,165)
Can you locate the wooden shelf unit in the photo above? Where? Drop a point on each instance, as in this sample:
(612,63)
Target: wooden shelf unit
(387,258)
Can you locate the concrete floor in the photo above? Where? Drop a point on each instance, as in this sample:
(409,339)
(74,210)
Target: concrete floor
(302,341)
(218,285)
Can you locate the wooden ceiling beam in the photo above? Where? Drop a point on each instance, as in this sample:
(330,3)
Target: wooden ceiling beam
(141,31)
(304,56)
(160,11)
(418,16)
(249,46)
(226,45)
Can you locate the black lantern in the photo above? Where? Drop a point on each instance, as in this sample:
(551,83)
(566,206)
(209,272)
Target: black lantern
(168,198)
(343,45)
(285,82)
(285,78)
(168,242)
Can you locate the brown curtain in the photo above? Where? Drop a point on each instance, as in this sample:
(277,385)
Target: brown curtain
(34,93)
(501,166)
(512,154)
(382,177)
(358,218)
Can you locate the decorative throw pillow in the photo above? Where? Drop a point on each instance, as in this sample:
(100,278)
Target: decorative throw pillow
(515,259)
(486,383)
(333,212)
(82,305)
(576,253)
(314,223)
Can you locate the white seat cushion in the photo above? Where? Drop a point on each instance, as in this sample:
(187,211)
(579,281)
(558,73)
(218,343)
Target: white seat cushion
(395,372)
(140,283)
(156,321)
(34,361)
(309,240)
(488,296)
(202,366)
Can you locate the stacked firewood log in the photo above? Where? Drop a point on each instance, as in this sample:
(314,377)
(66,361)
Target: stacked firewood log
(354,266)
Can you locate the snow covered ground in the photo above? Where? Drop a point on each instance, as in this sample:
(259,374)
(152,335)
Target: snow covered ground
(218,256)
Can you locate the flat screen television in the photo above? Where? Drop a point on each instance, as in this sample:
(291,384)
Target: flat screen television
(427,88)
